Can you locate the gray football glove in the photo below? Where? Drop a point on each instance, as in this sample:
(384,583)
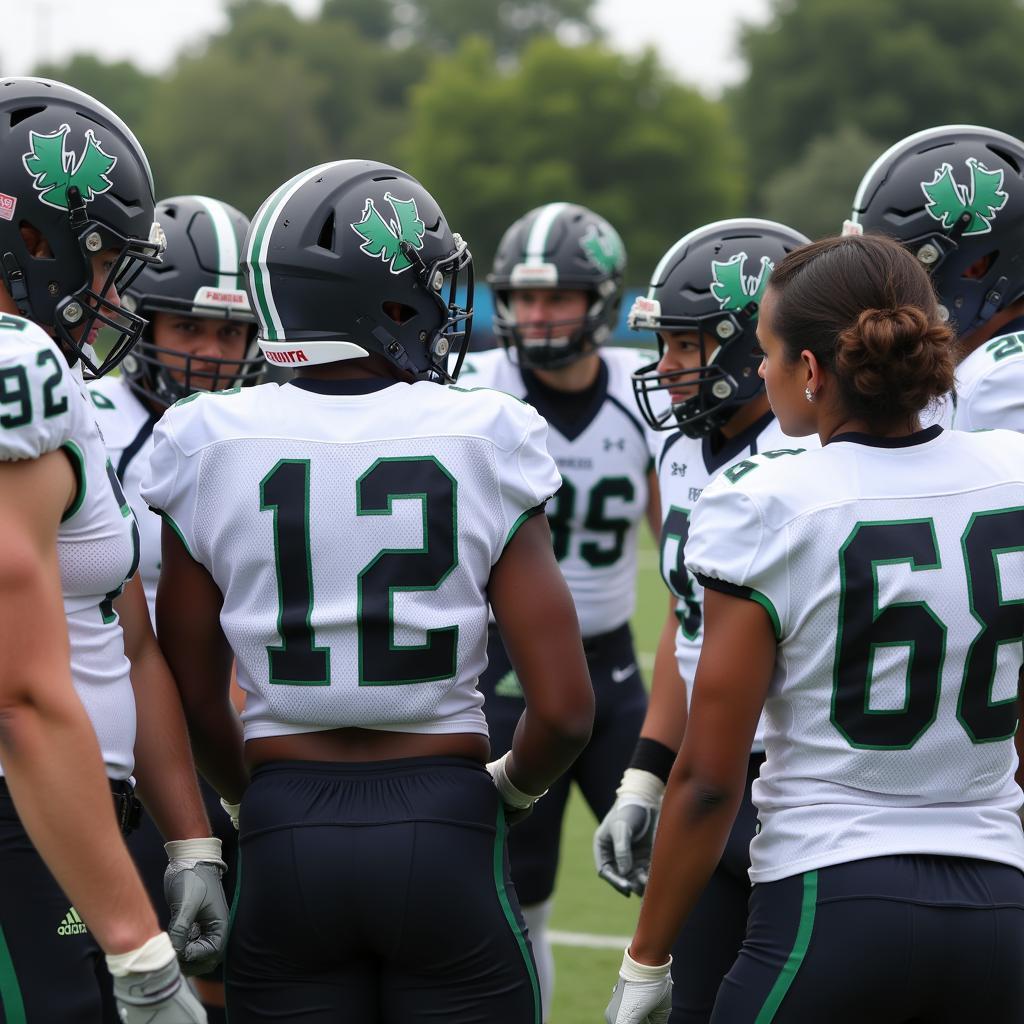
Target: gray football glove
(624,840)
(157,997)
(642,995)
(195,897)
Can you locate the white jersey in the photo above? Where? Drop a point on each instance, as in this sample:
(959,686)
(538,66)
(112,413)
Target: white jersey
(989,388)
(127,429)
(43,408)
(604,458)
(686,465)
(894,577)
(352,536)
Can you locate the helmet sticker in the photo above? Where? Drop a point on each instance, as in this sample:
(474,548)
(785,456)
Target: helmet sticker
(55,170)
(384,238)
(948,200)
(603,247)
(733,288)
(8,204)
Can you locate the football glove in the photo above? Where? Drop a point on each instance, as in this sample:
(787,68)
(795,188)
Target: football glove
(642,995)
(623,841)
(149,988)
(195,897)
(517,803)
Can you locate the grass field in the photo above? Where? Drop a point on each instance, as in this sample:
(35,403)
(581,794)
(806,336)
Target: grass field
(583,903)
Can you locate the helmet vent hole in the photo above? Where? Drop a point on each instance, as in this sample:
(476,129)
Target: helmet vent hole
(17,116)
(398,312)
(433,227)
(326,237)
(1007,156)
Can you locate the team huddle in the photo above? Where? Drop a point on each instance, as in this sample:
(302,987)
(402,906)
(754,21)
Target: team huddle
(311,610)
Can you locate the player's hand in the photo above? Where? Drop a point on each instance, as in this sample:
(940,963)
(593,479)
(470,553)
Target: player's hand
(195,897)
(518,804)
(623,841)
(642,995)
(149,987)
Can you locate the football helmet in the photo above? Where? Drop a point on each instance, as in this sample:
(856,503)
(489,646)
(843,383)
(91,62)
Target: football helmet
(354,257)
(954,196)
(72,169)
(565,246)
(199,276)
(710,283)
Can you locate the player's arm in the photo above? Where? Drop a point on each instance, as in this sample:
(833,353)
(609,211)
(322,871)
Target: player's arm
(653,504)
(51,759)
(537,618)
(168,786)
(623,840)
(164,769)
(188,604)
(709,776)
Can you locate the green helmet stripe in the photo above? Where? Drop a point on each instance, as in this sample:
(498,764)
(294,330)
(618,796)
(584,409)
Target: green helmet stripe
(228,269)
(538,236)
(259,244)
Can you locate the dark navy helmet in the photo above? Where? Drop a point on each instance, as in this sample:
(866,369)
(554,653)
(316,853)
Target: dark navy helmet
(954,196)
(710,283)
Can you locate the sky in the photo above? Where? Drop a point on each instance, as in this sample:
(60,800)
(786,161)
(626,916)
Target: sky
(694,38)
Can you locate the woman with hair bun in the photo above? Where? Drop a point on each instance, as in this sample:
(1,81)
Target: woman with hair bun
(870,596)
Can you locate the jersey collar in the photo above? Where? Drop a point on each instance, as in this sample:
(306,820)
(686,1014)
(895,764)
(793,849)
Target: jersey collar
(905,441)
(341,386)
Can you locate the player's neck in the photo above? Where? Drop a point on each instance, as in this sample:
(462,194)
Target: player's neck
(745,416)
(577,376)
(989,329)
(368,368)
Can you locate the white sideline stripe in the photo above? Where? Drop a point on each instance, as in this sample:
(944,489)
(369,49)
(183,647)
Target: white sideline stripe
(585,940)
(646,661)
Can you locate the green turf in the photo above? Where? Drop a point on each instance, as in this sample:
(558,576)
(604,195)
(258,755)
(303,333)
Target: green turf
(583,903)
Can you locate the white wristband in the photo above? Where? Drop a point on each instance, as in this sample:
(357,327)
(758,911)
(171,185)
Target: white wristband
(633,971)
(153,954)
(646,785)
(194,849)
(507,790)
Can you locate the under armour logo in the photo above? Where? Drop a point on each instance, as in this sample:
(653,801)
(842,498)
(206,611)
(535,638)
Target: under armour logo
(609,444)
(678,469)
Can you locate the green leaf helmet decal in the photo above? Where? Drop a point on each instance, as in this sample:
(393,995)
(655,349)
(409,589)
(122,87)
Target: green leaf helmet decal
(55,170)
(983,198)
(603,247)
(734,289)
(384,238)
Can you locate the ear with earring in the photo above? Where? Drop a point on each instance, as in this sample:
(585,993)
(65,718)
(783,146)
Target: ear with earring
(808,394)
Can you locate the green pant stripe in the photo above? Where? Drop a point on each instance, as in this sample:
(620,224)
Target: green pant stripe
(10,990)
(796,957)
(231,915)
(499,884)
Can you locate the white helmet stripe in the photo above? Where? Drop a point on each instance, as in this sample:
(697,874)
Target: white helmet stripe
(538,236)
(259,245)
(227,243)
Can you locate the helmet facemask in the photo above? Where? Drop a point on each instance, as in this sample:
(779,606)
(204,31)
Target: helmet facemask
(725,378)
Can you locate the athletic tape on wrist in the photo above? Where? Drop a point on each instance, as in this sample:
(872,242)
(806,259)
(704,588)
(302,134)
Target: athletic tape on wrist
(654,757)
(633,971)
(153,954)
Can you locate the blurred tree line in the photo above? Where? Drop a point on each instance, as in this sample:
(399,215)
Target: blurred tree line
(498,107)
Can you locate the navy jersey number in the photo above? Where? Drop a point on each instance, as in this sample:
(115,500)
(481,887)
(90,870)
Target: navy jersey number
(298,660)
(864,627)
